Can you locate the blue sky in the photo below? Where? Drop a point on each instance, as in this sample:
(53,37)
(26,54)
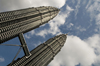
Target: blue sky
(79,17)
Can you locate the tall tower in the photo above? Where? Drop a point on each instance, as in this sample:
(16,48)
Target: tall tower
(43,54)
(13,23)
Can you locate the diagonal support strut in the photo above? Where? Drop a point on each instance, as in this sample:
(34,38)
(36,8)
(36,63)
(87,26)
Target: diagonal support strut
(24,45)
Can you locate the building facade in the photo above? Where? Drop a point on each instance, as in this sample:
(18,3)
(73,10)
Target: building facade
(12,23)
(43,54)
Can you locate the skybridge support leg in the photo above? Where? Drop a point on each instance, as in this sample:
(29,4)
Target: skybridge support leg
(24,45)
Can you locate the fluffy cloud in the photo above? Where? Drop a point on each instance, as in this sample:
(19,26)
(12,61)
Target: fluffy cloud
(80,29)
(98,19)
(94,10)
(29,34)
(77,8)
(76,51)
(42,33)
(69,8)
(18,4)
(2,59)
(94,42)
(56,3)
(70,25)
(56,23)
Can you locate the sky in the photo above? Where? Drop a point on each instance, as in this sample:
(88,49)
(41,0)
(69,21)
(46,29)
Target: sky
(79,18)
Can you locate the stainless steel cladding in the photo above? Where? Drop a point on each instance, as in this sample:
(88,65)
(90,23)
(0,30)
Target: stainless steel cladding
(43,54)
(13,23)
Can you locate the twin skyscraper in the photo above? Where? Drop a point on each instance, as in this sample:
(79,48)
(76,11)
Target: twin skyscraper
(15,23)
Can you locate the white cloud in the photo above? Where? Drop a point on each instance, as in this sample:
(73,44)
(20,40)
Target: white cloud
(81,29)
(94,42)
(97,63)
(98,19)
(69,8)
(29,34)
(77,8)
(42,33)
(18,4)
(56,3)
(89,2)
(2,59)
(77,51)
(94,10)
(56,23)
(70,25)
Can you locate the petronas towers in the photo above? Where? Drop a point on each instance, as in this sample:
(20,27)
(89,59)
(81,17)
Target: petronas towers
(15,23)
